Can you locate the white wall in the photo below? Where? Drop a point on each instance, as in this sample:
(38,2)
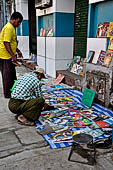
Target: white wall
(23,45)
(67,6)
(22,7)
(58,53)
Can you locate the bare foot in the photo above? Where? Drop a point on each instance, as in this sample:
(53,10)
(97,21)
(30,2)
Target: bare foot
(22,120)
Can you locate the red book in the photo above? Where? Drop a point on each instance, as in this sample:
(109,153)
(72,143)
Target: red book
(101,123)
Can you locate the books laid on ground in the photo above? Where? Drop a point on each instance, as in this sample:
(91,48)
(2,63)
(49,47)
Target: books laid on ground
(101,123)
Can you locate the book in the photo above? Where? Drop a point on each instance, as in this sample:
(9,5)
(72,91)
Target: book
(110,30)
(101,123)
(110,47)
(109,121)
(101,57)
(42,32)
(50,33)
(91,54)
(88,96)
(99,30)
(59,78)
(102,30)
(108,58)
(95,133)
(105,29)
(45,129)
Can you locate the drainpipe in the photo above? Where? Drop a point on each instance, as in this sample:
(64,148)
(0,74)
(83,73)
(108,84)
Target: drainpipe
(4,11)
(14,6)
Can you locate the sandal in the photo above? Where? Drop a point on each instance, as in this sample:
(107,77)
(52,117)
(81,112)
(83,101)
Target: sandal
(26,122)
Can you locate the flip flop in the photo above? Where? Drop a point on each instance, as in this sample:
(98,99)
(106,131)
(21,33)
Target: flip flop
(26,123)
(16,117)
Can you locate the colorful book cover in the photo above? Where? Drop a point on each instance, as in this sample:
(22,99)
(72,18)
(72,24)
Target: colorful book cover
(110,30)
(109,121)
(110,47)
(86,122)
(59,78)
(95,133)
(45,129)
(88,96)
(102,30)
(89,59)
(94,126)
(61,136)
(101,123)
(108,57)
(105,29)
(100,60)
(79,123)
(99,30)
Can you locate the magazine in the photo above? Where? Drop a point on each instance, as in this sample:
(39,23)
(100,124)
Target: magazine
(102,30)
(100,60)
(110,30)
(89,59)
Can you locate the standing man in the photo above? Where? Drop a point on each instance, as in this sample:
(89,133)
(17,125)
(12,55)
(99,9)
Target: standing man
(8,49)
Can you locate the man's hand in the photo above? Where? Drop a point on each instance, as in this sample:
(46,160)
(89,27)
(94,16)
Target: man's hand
(14,59)
(46,105)
(19,53)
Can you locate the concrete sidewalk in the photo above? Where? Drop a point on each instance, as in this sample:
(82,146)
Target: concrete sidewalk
(22,148)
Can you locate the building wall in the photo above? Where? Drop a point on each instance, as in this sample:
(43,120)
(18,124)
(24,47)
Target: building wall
(23,30)
(54,53)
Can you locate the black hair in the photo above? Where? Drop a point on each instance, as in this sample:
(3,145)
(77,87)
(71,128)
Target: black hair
(16,15)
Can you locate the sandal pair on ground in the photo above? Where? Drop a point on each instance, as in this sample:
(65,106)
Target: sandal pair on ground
(25,122)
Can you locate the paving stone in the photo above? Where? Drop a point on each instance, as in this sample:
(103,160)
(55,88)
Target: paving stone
(29,136)
(8,141)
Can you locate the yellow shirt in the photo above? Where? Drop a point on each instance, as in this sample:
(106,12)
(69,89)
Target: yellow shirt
(8,34)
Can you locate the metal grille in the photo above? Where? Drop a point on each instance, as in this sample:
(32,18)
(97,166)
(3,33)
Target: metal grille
(81,22)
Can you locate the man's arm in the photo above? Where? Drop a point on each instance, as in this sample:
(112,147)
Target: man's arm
(8,48)
(19,52)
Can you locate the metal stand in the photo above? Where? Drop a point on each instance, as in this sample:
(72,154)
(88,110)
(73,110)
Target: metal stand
(89,154)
